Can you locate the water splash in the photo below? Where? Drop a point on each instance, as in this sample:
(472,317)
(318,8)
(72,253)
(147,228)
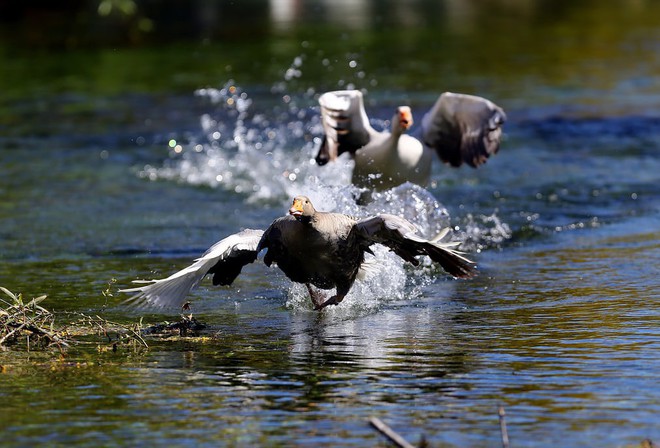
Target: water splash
(482,231)
(386,281)
(268,156)
(265,156)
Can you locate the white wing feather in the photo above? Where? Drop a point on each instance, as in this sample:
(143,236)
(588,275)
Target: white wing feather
(172,291)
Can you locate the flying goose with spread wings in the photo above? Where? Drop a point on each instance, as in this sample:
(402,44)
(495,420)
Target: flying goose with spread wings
(461,129)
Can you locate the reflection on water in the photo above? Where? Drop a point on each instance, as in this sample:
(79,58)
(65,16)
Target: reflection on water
(127,160)
(548,344)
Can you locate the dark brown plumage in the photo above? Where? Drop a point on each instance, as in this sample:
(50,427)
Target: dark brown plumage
(320,249)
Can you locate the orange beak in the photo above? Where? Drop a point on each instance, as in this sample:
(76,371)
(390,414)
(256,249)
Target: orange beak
(405,117)
(297,208)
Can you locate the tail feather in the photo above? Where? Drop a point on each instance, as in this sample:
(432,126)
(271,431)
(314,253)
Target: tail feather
(451,260)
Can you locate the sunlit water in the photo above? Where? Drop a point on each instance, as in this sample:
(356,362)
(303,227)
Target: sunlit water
(560,328)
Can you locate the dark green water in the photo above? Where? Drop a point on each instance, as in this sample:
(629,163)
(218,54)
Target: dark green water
(561,327)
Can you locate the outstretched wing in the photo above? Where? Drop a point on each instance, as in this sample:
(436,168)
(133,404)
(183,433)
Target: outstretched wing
(401,236)
(224,260)
(346,126)
(463,128)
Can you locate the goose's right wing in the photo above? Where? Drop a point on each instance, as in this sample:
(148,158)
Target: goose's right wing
(346,126)
(224,260)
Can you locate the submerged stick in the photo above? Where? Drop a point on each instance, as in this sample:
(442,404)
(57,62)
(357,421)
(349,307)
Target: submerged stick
(503,431)
(389,433)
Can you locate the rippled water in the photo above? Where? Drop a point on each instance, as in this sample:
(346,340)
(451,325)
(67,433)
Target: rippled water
(561,327)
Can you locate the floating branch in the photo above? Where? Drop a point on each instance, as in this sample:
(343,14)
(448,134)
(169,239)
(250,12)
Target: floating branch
(503,431)
(389,433)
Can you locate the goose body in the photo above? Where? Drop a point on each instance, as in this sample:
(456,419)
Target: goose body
(459,128)
(391,159)
(320,249)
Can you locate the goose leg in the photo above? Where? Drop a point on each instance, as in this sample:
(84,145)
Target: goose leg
(334,300)
(342,290)
(318,299)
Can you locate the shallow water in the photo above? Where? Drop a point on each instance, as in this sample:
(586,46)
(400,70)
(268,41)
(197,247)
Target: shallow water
(124,163)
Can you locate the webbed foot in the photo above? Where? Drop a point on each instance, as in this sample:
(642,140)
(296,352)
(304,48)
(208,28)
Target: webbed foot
(318,299)
(334,300)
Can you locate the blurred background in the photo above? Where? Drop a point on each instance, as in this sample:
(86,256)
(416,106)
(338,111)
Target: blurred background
(120,46)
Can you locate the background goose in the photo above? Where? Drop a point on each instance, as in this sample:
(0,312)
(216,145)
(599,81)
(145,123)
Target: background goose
(322,249)
(459,128)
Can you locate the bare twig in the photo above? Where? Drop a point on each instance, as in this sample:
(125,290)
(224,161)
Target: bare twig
(9,334)
(103,326)
(35,330)
(389,433)
(503,431)
(18,318)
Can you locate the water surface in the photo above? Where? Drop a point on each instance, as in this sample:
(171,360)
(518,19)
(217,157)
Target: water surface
(124,161)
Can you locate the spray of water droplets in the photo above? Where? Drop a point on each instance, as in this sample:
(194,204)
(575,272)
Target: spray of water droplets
(268,156)
(265,156)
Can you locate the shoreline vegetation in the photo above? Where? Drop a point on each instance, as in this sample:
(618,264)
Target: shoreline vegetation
(25,325)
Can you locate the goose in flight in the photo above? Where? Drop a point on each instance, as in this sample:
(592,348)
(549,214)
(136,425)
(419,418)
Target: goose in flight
(459,128)
(319,249)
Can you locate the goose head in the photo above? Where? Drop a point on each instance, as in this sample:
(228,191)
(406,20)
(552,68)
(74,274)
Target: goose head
(302,208)
(402,120)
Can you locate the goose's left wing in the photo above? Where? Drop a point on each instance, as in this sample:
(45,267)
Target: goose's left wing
(401,236)
(224,260)
(463,128)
